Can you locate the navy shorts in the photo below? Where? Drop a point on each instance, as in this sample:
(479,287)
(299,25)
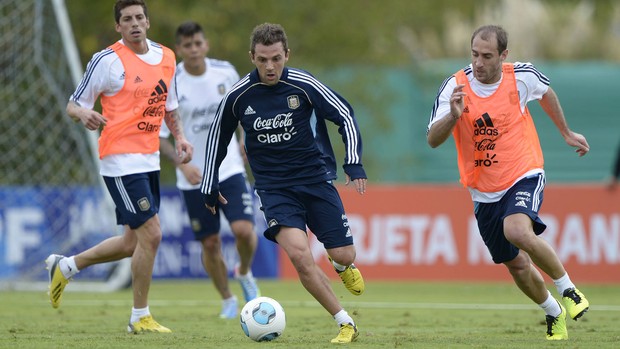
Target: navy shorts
(136,197)
(240,206)
(525,197)
(317,206)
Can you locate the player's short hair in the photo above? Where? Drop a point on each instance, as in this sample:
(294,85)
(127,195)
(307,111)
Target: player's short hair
(268,34)
(485,33)
(186,29)
(121,4)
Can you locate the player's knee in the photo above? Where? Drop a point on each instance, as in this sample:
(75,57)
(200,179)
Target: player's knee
(243,230)
(212,244)
(127,250)
(519,235)
(149,236)
(301,259)
(343,255)
(346,258)
(519,265)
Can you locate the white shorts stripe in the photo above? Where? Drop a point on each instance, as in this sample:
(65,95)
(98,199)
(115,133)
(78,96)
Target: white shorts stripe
(121,190)
(537,192)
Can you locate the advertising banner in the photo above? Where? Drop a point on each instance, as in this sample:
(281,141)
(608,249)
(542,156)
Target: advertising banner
(430,233)
(31,229)
(401,233)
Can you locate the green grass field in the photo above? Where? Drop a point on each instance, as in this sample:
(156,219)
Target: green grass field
(389,315)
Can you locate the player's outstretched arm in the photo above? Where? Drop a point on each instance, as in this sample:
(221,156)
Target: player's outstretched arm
(551,105)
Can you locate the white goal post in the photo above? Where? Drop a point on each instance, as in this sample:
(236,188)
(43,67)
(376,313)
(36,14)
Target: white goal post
(52,198)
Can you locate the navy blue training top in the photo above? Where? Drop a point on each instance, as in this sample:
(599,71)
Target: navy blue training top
(286,137)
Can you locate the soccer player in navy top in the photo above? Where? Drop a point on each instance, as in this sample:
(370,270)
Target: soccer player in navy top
(282,111)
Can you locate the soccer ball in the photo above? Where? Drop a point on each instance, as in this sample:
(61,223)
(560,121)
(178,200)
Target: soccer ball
(262,319)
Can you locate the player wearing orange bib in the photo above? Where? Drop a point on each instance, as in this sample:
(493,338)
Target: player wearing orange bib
(484,107)
(135,79)
(134,114)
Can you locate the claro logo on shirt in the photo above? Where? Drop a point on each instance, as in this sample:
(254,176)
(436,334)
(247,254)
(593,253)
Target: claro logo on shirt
(276,129)
(485,135)
(156,108)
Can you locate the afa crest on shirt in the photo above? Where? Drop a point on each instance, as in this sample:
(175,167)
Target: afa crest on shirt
(293,101)
(221,89)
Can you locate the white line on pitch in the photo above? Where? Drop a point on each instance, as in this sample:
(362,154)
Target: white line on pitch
(310,304)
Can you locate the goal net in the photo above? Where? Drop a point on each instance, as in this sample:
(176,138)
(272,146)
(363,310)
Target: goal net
(51,195)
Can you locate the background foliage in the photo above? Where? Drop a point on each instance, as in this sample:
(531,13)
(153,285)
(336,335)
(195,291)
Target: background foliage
(388,32)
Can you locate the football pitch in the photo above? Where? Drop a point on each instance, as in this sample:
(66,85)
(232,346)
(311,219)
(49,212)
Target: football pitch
(388,314)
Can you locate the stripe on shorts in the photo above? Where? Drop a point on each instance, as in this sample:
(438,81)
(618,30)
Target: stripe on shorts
(121,189)
(539,188)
